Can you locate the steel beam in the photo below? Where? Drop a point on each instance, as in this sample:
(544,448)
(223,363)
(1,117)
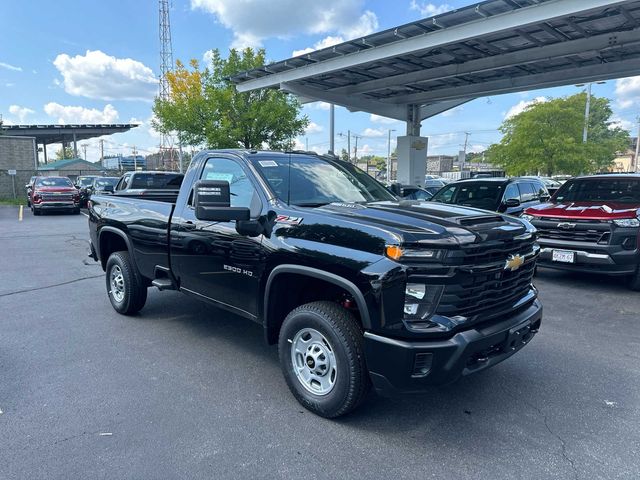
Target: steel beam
(507,21)
(521,57)
(592,73)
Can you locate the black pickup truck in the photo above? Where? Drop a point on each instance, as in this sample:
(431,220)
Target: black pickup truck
(355,286)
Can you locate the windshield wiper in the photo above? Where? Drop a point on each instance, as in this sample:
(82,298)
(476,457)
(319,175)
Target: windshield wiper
(311,204)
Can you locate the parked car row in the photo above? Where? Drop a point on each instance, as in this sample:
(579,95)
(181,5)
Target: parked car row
(57,193)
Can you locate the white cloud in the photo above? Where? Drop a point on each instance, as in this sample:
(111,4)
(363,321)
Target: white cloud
(318,105)
(477,148)
(8,66)
(522,105)
(65,114)
(374,132)
(101,76)
(382,120)
(313,128)
(252,21)
(618,122)
(428,9)
(324,43)
(365,150)
(628,91)
(20,112)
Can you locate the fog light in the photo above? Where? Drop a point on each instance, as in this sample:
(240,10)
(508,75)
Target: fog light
(416,290)
(422,365)
(410,308)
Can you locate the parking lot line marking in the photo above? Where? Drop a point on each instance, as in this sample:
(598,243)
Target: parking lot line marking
(85,214)
(20,213)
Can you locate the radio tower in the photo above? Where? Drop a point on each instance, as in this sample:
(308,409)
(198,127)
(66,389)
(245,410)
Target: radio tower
(166,65)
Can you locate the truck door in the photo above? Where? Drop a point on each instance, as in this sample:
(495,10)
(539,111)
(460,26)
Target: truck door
(213,260)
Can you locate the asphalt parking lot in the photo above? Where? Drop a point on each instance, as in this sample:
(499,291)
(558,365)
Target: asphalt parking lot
(187,391)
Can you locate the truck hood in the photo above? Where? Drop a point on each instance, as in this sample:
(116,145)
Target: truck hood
(585,210)
(403,222)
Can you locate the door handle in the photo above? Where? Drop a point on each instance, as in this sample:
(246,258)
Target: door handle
(189,226)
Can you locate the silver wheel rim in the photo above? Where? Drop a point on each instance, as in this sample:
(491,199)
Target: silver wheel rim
(314,361)
(116,280)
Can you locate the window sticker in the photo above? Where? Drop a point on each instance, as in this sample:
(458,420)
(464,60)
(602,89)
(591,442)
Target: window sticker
(224,177)
(268,163)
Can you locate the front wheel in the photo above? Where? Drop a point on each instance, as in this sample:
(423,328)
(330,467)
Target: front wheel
(322,358)
(126,293)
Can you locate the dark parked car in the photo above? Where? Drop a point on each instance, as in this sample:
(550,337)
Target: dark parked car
(356,287)
(28,187)
(103,185)
(592,224)
(498,194)
(551,184)
(83,184)
(54,193)
(411,192)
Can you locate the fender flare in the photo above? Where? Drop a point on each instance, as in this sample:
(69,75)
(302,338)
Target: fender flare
(127,242)
(321,275)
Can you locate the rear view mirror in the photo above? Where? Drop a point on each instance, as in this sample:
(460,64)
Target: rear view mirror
(511,202)
(212,200)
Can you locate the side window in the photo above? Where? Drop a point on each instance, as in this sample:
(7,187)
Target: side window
(124,182)
(541,189)
(527,192)
(243,193)
(512,192)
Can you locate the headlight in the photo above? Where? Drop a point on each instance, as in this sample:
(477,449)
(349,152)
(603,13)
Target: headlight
(627,222)
(421,301)
(396,253)
(527,217)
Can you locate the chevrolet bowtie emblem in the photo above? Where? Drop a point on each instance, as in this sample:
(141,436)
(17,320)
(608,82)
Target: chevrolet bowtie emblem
(513,263)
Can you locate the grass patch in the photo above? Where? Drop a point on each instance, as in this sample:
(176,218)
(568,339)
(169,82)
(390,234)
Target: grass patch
(12,201)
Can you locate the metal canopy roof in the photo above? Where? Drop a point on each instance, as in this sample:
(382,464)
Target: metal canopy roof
(489,48)
(59,133)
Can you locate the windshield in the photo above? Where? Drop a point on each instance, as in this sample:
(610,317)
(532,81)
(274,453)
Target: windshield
(620,190)
(85,181)
(477,194)
(316,181)
(160,181)
(54,182)
(102,182)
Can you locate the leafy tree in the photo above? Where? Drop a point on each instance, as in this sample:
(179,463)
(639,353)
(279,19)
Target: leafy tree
(547,137)
(344,155)
(66,153)
(205,108)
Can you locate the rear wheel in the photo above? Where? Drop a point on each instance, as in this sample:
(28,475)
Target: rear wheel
(35,211)
(126,293)
(322,358)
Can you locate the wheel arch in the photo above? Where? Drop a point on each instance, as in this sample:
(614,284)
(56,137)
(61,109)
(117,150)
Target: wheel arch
(272,318)
(111,239)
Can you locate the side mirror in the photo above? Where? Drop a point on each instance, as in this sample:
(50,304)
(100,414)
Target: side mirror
(511,202)
(212,200)
(108,189)
(545,197)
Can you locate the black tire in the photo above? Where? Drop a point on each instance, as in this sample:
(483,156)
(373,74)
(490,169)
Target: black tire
(35,211)
(634,281)
(76,211)
(344,336)
(132,295)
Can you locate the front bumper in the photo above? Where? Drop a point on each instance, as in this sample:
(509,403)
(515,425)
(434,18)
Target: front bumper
(398,366)
(605,259)
(55,206)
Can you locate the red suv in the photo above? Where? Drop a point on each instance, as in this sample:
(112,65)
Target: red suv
(592,224)
(54,193)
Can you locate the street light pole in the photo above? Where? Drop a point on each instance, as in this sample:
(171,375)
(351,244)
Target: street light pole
(585,132)
(389,155)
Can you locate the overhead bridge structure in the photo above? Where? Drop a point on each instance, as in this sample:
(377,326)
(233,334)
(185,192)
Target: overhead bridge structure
(420,69)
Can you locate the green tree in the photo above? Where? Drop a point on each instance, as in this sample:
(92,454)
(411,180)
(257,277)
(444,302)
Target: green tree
(67,152)
(344,155)
(547,137)
(205,108)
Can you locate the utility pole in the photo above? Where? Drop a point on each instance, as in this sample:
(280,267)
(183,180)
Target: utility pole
(306,139)
(464,157)
(180,155)
(332,124)
(585,131)
(355,152)
(389,155)
(84,150)
(349,146)
(166,66)
(102,152)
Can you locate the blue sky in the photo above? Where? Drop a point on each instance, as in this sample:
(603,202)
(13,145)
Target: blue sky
(95,61)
